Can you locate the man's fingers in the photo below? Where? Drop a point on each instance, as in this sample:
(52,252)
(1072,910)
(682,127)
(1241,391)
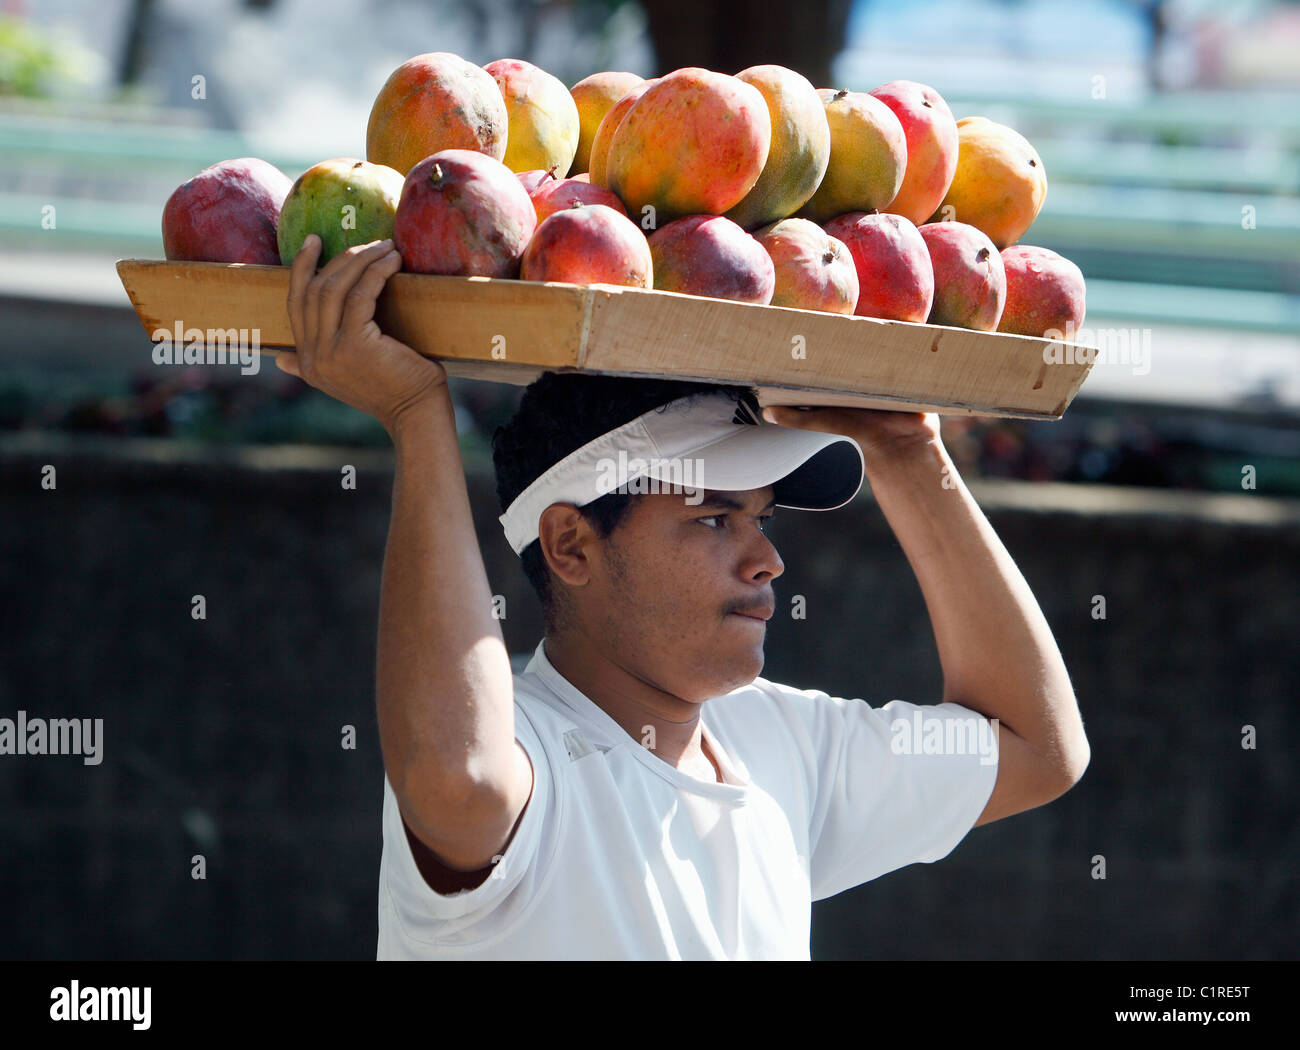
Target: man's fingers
(832,420)
(337,280)
(321,320)
(300,275)
(286,361)
(801,418)
(359,304)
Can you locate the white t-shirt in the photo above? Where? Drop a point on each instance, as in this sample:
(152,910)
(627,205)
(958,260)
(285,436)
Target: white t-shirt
(621,856)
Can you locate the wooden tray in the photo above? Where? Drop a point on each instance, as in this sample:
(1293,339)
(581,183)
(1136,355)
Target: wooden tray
(512,331)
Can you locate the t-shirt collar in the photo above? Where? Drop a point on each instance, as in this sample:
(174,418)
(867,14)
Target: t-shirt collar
(598,722)
(593,715)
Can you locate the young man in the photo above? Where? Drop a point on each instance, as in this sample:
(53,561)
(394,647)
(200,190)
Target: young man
(638,792)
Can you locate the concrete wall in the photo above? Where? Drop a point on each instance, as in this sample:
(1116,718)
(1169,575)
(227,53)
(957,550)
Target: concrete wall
(222,736)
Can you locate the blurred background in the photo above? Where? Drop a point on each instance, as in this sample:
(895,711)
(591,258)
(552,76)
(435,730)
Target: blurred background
(1170,132)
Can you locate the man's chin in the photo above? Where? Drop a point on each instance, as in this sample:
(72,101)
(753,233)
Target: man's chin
(741,670)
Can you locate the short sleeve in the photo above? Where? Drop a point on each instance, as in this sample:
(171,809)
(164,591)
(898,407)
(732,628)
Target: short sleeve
(894,785)
(429,918)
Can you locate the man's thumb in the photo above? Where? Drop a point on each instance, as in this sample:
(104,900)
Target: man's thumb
(788,415)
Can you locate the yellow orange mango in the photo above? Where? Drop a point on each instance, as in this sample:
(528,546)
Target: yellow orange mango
(694,144)
(1000,184)
(543,116)
(868,157)
(595,96)
(433,102)
(596,163)
(800,149)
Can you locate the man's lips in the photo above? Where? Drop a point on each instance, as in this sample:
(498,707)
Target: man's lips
(761,613)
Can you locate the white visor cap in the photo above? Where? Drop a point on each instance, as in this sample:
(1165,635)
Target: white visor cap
(699,442)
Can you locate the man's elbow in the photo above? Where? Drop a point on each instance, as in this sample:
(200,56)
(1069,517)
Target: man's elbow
(1070,765)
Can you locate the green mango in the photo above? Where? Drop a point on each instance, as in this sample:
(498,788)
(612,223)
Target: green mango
(344,201)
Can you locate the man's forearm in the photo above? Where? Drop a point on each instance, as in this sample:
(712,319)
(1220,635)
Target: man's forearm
(444,687)
(996,649)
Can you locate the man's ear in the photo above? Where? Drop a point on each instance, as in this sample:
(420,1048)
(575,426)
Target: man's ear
(563,535)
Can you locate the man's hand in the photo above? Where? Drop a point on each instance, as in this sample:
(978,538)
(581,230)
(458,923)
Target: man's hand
(878,433)
(341,350)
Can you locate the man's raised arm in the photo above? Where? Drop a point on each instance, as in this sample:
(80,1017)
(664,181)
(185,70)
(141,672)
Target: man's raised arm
(998,654)
(444,687)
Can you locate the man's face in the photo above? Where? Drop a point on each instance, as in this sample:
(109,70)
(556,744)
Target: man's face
(668,589)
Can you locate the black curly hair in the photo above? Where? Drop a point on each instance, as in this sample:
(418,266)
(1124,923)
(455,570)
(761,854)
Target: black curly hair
(558,414)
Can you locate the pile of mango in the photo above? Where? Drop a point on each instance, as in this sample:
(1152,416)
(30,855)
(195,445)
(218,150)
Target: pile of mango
(756,187)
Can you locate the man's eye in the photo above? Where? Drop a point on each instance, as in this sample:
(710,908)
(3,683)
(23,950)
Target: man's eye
(763,522)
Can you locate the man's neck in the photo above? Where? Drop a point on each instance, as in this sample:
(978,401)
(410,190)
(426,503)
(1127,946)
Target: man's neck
(659,721)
